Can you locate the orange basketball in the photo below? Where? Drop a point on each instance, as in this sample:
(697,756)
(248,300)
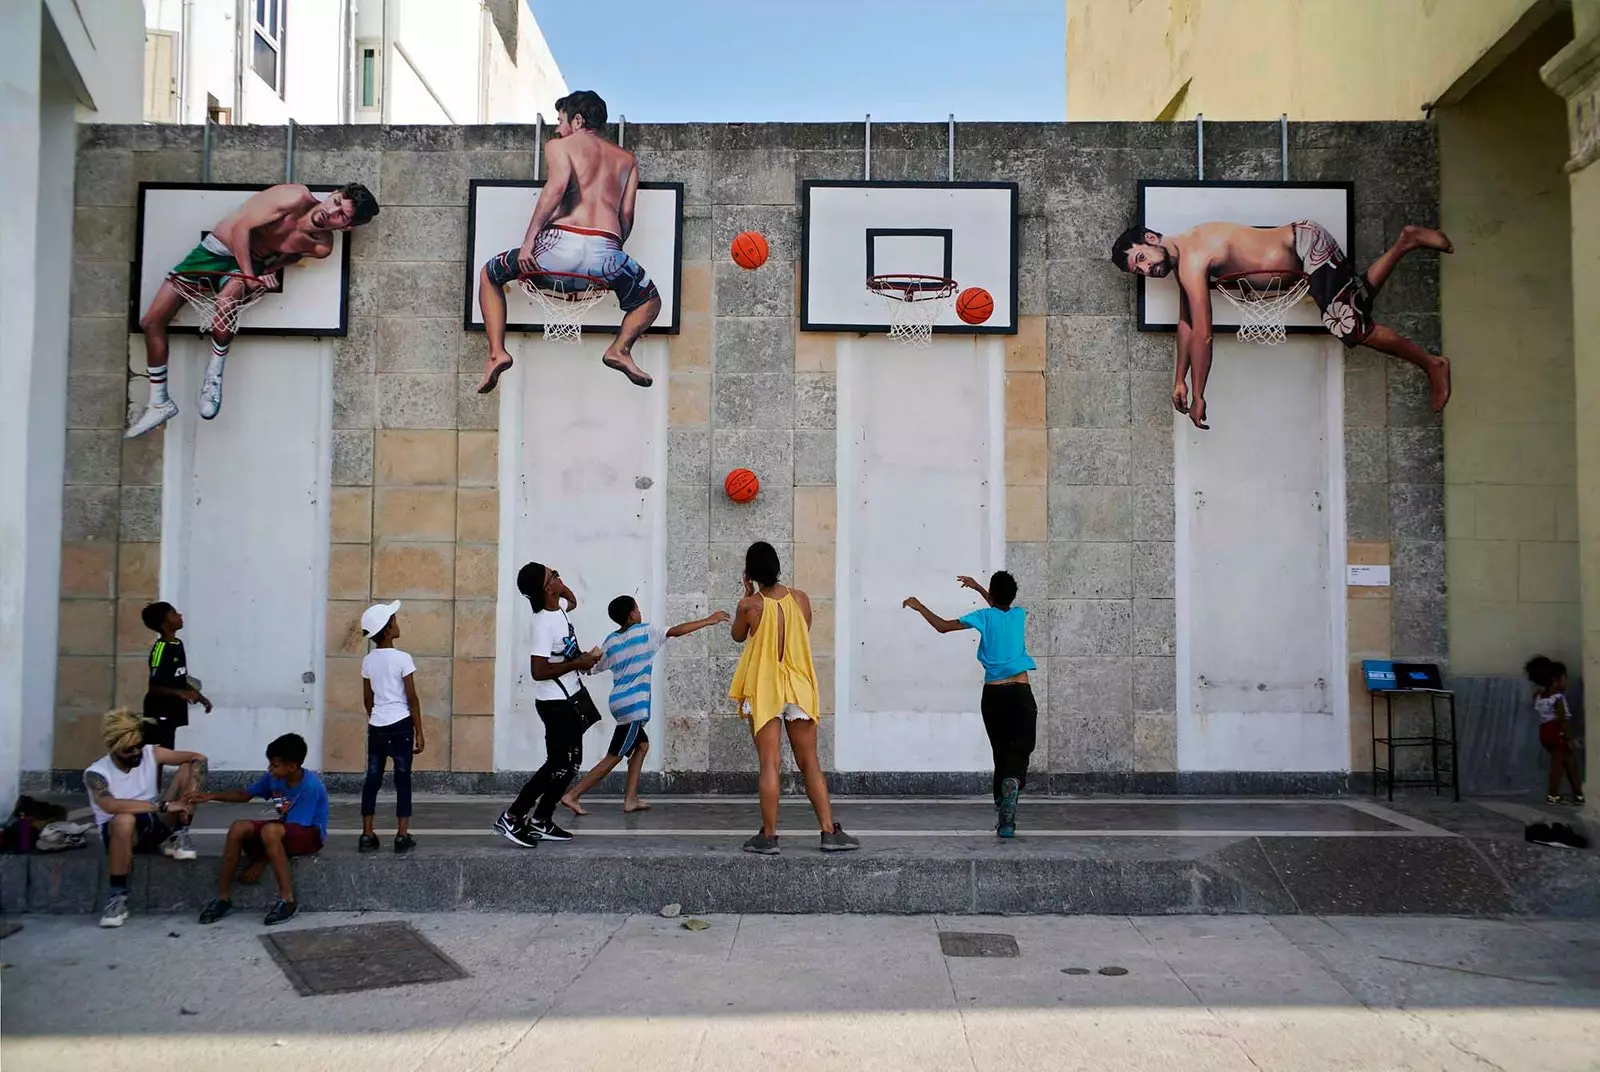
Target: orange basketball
(741,485)
(749,249)
(974,305)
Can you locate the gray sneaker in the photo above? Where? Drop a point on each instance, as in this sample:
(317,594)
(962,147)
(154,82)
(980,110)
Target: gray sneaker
(836,840)
(762,845)
(116,913)
(179,846)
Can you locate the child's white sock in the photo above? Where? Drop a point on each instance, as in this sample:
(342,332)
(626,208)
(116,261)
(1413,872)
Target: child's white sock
(219,354)
(158,386)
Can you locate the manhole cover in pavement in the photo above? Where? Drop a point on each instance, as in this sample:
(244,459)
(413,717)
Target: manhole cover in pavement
(972,944)
(365,956)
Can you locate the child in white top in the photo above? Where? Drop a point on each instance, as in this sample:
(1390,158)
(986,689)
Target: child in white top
(394,723)
(1550,701)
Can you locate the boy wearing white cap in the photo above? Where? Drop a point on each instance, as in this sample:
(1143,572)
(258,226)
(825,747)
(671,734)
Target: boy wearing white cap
(394,722)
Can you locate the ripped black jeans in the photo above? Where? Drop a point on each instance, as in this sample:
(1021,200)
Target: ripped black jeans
(564,723)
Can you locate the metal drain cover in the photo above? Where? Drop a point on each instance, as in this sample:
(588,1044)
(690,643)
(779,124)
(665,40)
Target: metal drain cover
(365,956)
(977,944)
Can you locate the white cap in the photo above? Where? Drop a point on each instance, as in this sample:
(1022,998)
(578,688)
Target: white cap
(375,617)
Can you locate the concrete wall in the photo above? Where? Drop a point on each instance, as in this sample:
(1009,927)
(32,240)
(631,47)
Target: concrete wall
(1249,59)
(1088,432)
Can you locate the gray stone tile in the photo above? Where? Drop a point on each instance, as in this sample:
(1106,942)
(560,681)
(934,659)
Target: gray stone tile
(355,401)
(688,568)
(1091,627)
(1416,511)
(501,164)
(1033,267)
(779,224)
(1153,351)
(696,238)
(1088,400)
(404,233)
(475,412)
(102,233)
(690,167)
(1366,398)
(341,166)
(1091,513)
(423,178)
(1153,570)
(105,177)
(99,288)
(418,288)
(1416,455)
(140,515)
(1089,286)
(1097,456)
(753,401)
(352,457)
(767,453)
(766,292)
(769,516)
(816,457)
(1154,627)
(815,400)
(1152,510)
(1103,743)
(90,513)
(1366,511)
(1029,563)
(1152,456)
(745,344)
(102,401)
(1090,687)
(688,456)
(98,346)
(753,177)
(1090,570)
(1152,399)
(355,353)
(730,747)
(1366,455)
(689,685)
(1080,343)
(688,515)
(94,456)
(1418,570)
(410,400)
(1155,684)
(688,740)
(1155,742)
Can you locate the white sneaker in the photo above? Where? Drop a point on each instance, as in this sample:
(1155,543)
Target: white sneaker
(153,417)
(116,913)
(179,847)
(211,392)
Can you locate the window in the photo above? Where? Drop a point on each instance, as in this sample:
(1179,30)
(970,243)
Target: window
(369,75)
(266,57)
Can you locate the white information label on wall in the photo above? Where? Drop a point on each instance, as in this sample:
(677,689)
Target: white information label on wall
(1367,576)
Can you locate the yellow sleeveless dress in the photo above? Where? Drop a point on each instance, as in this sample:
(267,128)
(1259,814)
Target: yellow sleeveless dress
(768,679)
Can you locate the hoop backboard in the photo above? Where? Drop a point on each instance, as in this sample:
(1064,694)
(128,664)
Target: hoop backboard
(966,231)
(174,216)
(1169,207)
(498,211)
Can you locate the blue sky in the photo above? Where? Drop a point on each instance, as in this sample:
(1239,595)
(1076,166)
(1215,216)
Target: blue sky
(664,61)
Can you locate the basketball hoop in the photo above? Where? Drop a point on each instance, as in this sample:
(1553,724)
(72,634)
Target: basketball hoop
(203,291)
(913,303)
(1263,302)
(566,298)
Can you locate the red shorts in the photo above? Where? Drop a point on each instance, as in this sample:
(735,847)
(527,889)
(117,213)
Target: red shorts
(1550,735)
(297,840)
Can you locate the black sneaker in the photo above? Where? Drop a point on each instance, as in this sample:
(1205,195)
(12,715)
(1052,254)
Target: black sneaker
(368,843)
(281,912)
(215,910)
(762,845)
(404,843)
(836,840)
(1010,789)
(516,831)
(547,830)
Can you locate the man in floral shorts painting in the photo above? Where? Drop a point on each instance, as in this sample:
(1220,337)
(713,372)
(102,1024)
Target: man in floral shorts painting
(1202,254)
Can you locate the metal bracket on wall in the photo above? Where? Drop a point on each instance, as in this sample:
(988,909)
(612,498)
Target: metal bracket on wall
(538,143)
(622,132)
(293,131)
(205,152)
(1283,143)
(1200,146)
(866,167)
(950,149)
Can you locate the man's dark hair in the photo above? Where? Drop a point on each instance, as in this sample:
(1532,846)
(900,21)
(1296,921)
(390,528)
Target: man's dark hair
(1002,589)
(587,103)
(154,616)
(364,205)
(290,748)
(530,582)
(619,609)
(1133,236)
(761,564)
(1543,671)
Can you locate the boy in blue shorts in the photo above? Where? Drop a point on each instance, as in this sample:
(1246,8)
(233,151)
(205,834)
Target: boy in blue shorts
(1010,715)
(630,655)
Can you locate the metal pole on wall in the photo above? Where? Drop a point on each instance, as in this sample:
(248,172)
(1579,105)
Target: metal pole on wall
(866,167)
(205,152)
(622,132)
(288,153)
(950,149)
(1283,143)
(1200,145)
(538,143)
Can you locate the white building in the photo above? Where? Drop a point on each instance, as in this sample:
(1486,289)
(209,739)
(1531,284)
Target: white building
(346,61)
(60,61)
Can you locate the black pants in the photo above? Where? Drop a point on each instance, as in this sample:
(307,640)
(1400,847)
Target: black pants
(564,723)
(393,741)
(1010,717)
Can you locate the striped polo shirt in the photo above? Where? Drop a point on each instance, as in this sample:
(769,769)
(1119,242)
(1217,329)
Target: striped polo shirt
(630,656)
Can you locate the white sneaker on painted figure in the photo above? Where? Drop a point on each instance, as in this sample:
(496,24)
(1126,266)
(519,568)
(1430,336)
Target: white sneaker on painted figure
(154,416)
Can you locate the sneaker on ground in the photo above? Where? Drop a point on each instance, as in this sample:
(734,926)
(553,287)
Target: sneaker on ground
(367,843)
(179,846)
(281,912)
(516,831)
(1554,798)
(404,843)
(548,830)
(152,418)
(1010,789)
(215,910)
(762,845)
(116,913)
(210,402)
(836,840)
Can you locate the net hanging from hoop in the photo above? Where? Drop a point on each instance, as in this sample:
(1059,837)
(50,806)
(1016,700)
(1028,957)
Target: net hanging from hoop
(217,310)
(1264,304)
(913,304)
(566,300)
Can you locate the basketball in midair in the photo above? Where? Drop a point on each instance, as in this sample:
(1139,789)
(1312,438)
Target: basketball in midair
(741,485)
(749,249)
(974,305)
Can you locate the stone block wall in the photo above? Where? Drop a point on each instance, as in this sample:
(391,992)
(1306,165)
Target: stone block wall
(1088,425)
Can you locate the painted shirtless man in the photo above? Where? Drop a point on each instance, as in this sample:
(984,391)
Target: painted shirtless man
(1202,254)
(583,216)
(275,228)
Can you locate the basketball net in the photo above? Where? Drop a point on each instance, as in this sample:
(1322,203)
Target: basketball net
(565,310)
(204,293)
(913,306)
(1264,307)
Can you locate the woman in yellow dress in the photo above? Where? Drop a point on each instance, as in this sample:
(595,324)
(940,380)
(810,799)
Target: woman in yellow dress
(776,682)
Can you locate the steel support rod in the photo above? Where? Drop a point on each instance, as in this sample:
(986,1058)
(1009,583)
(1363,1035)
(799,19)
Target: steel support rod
(538,143)
(1283,143)
(292,130)
(622,131)
(1200,145)
(866,168)
(205,152)
(950,150)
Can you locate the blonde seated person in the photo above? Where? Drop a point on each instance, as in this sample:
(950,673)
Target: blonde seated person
(776,682)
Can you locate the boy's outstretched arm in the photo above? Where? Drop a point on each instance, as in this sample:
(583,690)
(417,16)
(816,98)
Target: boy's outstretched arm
(943,625)
(716,617)
(225,796)
(968,582)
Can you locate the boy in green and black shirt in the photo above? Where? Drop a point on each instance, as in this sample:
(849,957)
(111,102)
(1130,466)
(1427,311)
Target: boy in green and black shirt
(171,689)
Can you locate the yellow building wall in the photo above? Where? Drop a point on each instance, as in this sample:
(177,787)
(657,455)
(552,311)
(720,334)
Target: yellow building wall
(1511,522)
(1257,59)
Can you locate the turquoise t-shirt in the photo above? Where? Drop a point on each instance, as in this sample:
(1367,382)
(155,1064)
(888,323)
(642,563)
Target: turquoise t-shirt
(1002,641)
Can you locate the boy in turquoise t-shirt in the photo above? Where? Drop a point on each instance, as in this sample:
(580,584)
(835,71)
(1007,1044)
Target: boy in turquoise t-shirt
(1010,716)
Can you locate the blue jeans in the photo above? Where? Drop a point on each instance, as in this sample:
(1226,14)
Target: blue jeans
(393,741)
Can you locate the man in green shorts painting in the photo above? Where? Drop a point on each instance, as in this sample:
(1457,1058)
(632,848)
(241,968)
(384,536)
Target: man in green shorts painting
(273,229)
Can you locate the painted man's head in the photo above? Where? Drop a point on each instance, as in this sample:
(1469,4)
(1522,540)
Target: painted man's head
(349,206)
(1139,251)
(580,110)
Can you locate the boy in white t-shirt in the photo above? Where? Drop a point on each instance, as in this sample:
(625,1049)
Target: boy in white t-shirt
(394,722)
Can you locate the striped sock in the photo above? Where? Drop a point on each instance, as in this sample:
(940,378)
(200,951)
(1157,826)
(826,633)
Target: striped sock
(158,386)
(219,354)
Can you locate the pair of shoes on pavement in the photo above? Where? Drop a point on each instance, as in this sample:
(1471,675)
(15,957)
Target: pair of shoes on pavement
(521,830)
(835,840)
(1558,835)
(1556,800)
(157,414)
(403,843)
(281,911)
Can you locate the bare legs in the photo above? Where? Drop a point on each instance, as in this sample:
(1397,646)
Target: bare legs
(492,303)
(619,355)
(154,322)
(769,750)
(1388,341)
(607,764)
(272,840)
(1563,761)
(119,852)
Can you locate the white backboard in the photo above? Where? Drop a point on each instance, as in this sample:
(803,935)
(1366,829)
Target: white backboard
(966,231)
(174,216)
(498,211)
(1171,207)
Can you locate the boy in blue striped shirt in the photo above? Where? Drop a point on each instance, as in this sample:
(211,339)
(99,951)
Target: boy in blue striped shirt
(630,655)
